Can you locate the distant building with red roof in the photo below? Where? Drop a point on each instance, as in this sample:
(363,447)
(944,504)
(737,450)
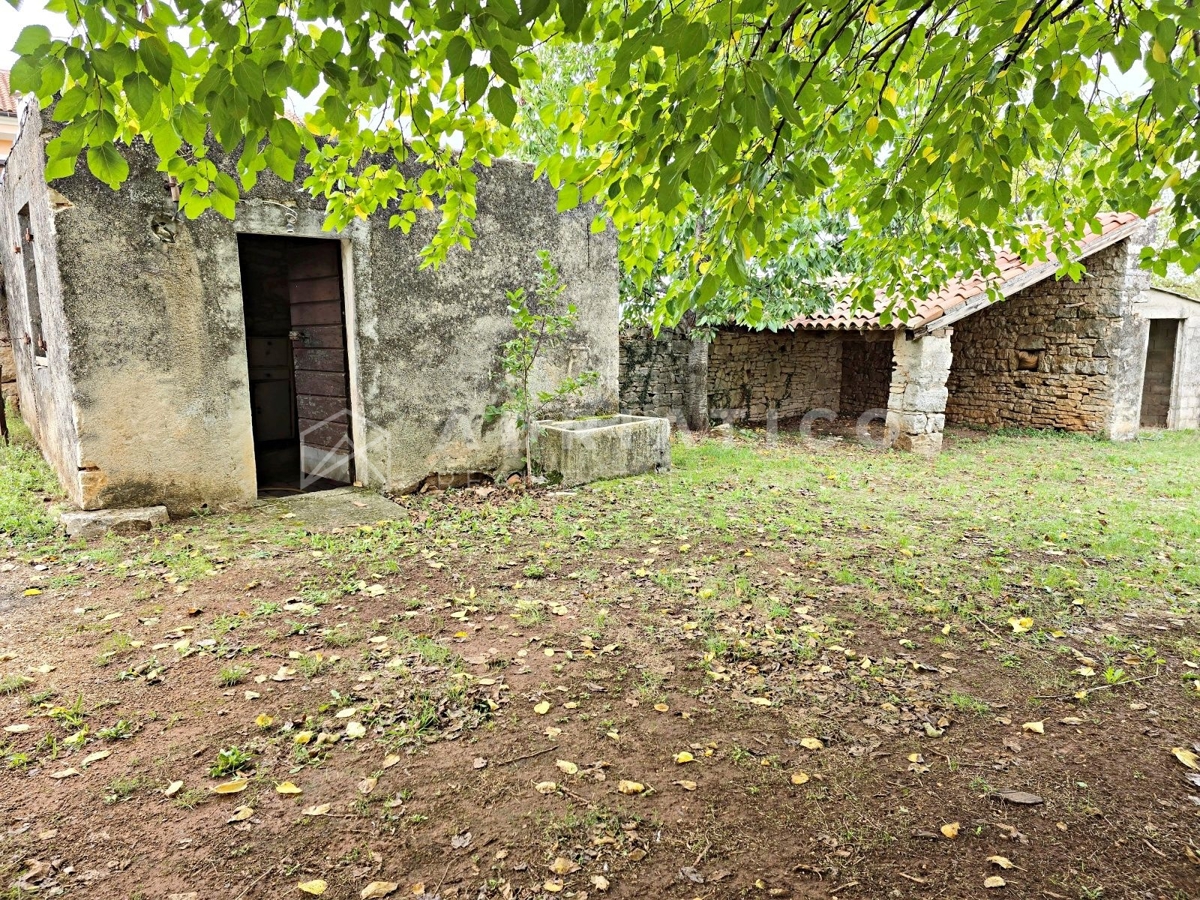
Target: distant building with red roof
(8,117)
(1106,355)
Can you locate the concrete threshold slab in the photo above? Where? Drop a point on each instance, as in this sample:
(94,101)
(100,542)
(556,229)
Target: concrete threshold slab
(335,508)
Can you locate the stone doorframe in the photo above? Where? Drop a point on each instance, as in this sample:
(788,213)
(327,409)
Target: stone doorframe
(916,413)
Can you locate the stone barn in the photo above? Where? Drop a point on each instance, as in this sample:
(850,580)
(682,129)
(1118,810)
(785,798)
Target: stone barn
(191,364)
(1104,355)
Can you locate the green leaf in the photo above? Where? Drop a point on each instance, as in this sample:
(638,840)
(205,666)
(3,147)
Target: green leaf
(458,55)
(475,83)
(572,12)
(31,40)
(568,197)
(501,103)
(107,164)
(140,92)
(156,58)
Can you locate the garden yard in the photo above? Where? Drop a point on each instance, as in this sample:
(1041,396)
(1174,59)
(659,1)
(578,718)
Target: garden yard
(781,670)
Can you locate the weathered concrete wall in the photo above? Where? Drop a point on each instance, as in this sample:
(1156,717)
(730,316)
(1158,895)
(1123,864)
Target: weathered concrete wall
(754,373)
(1058,354)
(43,382)
(866,371)
(153,321)
(1185,393)
(665,376)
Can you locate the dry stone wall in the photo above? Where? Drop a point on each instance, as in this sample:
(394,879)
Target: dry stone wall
(657,374)
(1055,355)
(754,374)
(866,372)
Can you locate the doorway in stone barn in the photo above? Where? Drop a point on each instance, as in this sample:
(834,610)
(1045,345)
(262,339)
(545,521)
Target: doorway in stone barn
(1159,381)
(299,377)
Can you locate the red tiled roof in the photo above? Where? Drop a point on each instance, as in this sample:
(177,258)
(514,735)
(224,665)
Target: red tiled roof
(8,103)
(958,292)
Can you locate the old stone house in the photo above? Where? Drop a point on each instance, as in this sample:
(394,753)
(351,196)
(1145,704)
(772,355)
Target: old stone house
(1105,355)
(195,363)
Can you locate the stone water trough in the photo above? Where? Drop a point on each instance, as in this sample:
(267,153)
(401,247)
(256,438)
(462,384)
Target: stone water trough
(577,451)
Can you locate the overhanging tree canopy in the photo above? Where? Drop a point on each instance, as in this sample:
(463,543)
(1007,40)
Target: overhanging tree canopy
(937,126)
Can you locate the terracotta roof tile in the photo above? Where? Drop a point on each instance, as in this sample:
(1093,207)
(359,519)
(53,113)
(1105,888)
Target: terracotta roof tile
(958,292)
(8,103)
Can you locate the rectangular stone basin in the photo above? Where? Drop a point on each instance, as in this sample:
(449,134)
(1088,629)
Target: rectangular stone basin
(577,451)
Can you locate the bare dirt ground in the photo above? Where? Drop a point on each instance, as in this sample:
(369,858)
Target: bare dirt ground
(793,671)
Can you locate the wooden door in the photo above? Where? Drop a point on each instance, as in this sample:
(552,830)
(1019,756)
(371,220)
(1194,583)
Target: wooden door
(319,354)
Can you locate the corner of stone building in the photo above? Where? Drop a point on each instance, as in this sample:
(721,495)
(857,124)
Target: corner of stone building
(1128,338)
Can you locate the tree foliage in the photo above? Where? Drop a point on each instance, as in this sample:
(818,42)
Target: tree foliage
(934,126)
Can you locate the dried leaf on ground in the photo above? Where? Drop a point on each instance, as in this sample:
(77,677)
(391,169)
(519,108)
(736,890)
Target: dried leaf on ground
(950,830)
(566,767)
(1002,861)
(542,708)
(1034,727)
(563,866)
(1187,757)
(994,881)
(287,787)
(320,809)
(800,778)
(630,787)
(317,887)
(231,787)
(241,814)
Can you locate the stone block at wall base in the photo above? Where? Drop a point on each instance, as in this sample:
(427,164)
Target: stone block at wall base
(97,523)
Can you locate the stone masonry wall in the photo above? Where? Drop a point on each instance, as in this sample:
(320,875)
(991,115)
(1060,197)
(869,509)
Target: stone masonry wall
(751,373)
(653,373)
(1050,356)
(866,372)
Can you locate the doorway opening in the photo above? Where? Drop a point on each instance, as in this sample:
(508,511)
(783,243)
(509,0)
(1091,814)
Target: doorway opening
(1159,380)
(299,372)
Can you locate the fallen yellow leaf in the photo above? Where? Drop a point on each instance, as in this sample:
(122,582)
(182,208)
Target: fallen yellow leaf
(1187,757)
(1034,727)
(800,778)
(287,787)
(1002,861)
(566,767)
(231,787)
(263,720)
(684,757)
(950,830)
(321,809)
(316,887)
(811,743)
(542,708)
(630,787)
(994,881)
(686,785)
(241,814)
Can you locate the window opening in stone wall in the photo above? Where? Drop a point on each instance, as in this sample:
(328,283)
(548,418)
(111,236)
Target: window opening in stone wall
(32,297)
